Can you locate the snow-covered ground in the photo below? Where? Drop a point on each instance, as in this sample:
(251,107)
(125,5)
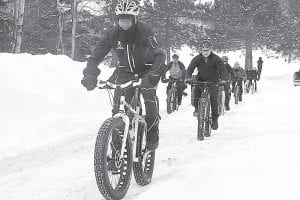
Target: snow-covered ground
(48,126)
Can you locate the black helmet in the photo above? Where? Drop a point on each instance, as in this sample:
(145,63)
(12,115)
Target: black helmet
(175,56)
(225,59)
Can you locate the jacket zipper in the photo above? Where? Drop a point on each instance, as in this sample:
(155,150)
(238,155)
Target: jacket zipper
(128,58)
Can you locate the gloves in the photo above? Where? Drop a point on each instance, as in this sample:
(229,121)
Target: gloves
(89,82)
(223,82)
(164,80)
(189,80)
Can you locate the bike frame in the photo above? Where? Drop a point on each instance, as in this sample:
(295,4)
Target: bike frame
(124,108)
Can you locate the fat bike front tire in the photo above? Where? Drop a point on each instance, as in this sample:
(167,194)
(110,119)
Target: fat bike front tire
(112,185)
(201,117)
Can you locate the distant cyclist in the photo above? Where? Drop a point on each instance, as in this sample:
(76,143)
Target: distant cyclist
(252,77)
(227,76)
(177,72)
(209,66)
(240,76)
(259,67)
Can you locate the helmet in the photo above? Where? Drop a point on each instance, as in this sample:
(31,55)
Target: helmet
(225,59)
(127,7)
(175,56)
(206,43)
(236,64)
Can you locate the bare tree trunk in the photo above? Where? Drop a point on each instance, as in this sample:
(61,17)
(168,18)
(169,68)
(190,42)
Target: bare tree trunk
(168,48)
(74,23)
(168,52)
(249,44)
(60,48)
(15,10)
(248,58)
(19,22)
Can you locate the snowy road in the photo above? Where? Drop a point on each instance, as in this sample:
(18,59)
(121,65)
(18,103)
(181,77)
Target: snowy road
(253,155)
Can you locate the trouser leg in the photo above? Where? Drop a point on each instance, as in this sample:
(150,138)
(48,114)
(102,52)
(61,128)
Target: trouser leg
(152,113)
(180,88)
(214,90)
(227,94)
(197,95)
(240,84)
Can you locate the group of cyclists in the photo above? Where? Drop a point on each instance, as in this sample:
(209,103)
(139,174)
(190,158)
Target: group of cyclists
(140,56)
(139,53)
(212,68)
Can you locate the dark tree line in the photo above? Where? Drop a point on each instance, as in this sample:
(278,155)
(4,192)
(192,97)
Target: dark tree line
(73,27)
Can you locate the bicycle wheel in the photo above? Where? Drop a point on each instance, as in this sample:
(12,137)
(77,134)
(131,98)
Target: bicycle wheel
(112,173)
(247,88)
(221,101)
(175,103)
(208,120)
(201,117)
(192,95)
(143,169)
(170,100)
(236,94)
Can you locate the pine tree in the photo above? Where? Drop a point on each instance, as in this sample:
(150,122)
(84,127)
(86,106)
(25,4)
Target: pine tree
(170,20)
(246,24)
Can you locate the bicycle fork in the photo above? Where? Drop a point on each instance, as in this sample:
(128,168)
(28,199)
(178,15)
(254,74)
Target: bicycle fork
(135,128)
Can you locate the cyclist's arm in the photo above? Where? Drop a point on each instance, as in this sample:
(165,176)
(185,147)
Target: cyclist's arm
(158,65)
(230,71)
(191,68)
(97,56)
(219,66)
(182,68)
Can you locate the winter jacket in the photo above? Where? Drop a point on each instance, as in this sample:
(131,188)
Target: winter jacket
(252,74)
(227,72)
(239,73)
(259,64)
(175,72)
(137,50)
(207,71)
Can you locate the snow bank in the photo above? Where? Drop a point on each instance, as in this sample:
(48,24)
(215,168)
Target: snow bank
(42,101)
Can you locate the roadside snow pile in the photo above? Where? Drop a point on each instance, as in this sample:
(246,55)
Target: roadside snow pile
(41,84)
(42,100)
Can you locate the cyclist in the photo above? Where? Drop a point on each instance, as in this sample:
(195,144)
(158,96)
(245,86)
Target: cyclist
(139,54)
(227,76)
(259,67)
(209,66)
(177,72)
(240,75)
(252,77)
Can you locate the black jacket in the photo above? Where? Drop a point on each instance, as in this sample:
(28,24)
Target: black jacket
(227,72)
(210,71)
(138,51)
(252,74)
(259,64)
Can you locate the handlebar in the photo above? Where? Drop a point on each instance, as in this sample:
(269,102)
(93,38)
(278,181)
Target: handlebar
(202,82)
(109,85)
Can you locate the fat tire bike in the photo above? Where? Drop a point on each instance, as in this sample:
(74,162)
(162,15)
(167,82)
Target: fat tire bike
(172,96)
(221,100)
(247,86)
(120,146)
(236,91)
(204,117)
